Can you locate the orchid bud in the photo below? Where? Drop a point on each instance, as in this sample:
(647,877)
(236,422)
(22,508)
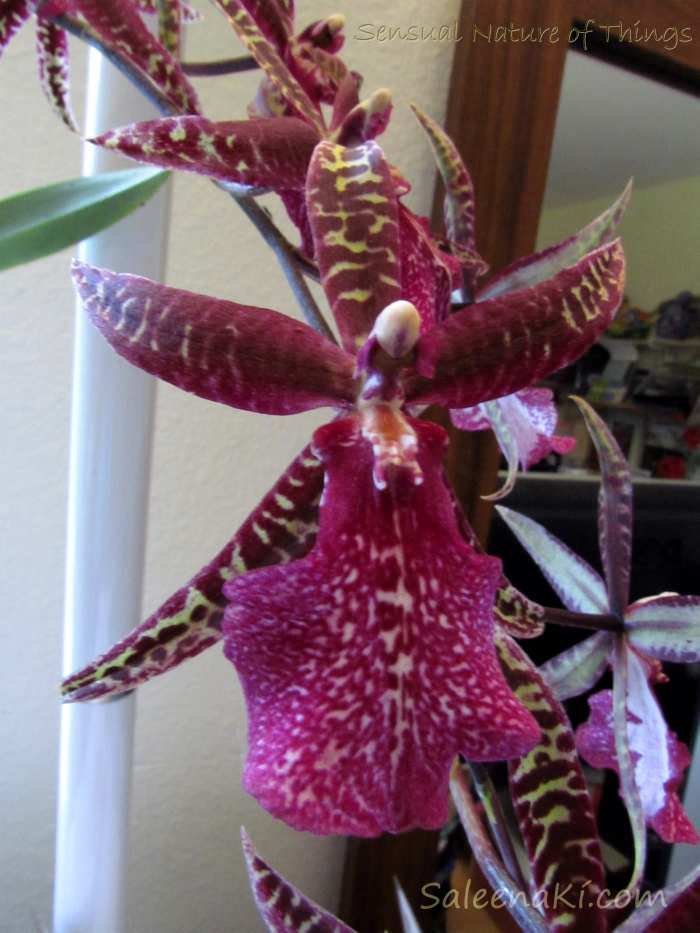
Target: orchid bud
(397,328)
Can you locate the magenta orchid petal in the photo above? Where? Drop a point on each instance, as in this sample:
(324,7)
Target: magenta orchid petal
(614,509)
(250,358)
(574,581)
(283,907)
(428,274)
(548,262)
(367,120)
(659,758)
(390,610)
(263,153)
(13,15)
(280,529)
(496,347)
(52,53)
(580,667)
(353,212)
(666,627)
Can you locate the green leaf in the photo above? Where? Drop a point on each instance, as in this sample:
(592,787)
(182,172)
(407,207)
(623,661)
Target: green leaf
(45,220)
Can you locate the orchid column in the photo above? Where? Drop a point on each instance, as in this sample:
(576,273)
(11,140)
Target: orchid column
(108,490)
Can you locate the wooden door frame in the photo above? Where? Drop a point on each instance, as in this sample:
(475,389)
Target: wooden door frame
(501,114)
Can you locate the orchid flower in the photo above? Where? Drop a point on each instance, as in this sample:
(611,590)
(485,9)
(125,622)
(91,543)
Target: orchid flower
(342,652)
(626,724)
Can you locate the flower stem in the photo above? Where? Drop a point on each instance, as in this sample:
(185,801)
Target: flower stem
(223,66)
(599,622)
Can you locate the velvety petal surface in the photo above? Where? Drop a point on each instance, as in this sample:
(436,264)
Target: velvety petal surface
(497,347)
(659,758)
(369,664)
(353,212)
(273,152)
(282,528)
(250,358)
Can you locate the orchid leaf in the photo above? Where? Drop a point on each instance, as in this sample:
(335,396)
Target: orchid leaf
(13,15)
(496,347)
(250,358)
(353,214)
(614,509)
(265,153)
(548,262)
(580,667)
(666,627)
(41,221)
(282,906)
(674,909)
(578,586)
(553,806)
(268,57)
(513,897)
(52,51)
(373,630)
(282,528)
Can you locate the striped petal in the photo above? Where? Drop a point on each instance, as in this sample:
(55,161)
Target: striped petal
(659,759)
(530,270)
(282,528)
(264,153)
(250,358)
(554,808)
(496,347)
(353,213)
(666,627)
(388,668)
(52,53)
(282,906)
(580,667)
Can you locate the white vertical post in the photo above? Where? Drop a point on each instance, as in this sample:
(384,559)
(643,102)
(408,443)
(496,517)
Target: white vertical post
(108,495)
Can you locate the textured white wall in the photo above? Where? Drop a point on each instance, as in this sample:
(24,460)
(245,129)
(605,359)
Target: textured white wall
(210,466)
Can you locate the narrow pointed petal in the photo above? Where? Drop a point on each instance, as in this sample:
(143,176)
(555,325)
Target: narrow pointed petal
(524,425)
(390,610)
(409,923)
(366,120)
(52,52)
(264,153)
(13,15)
(268,57)
(496,347)
(553,806)
(273,21)
(543,265)
(614,509)
(353,214)
(169,22)
(249,358)
(282,528)
(574,581)
(579,668)
(319,71)
(666,627)
(428,275)
(282,906)
(347,97)
(118,27)
(659,759)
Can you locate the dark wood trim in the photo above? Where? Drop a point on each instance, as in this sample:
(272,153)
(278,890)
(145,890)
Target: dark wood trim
(501,114)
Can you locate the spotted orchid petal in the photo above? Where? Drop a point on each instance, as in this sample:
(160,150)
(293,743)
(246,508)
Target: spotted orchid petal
(264,153)
(13,15)
(188,14)
(659,759)
(524,425)
(250,358)
(666,627)
(268,57)
(530,270)
(282,906)
(576,670)
(273,21)
(459,199)
(52,53)
(574,581)
(118,29)
(553,806)
(496,347)
(353,212)
(428,274)
(313,59)
(614,509)
(388,668)
(282,528)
